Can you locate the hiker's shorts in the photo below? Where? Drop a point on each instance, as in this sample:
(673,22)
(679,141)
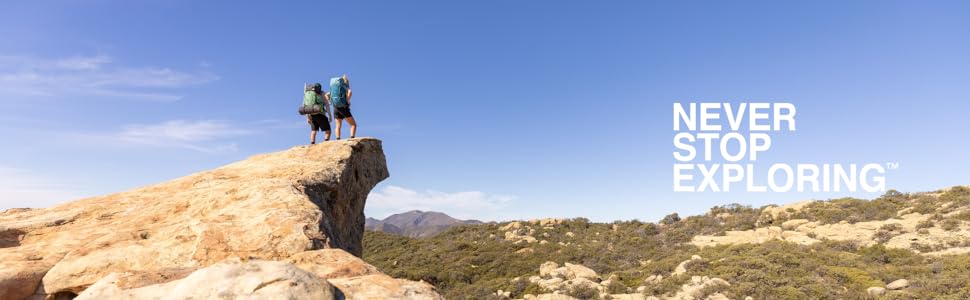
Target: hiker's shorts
(341,112)
(319,122)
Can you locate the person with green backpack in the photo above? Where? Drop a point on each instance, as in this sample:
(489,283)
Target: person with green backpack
(339,96)
(317,108)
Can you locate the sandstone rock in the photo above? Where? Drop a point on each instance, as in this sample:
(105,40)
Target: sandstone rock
(554,297)
(560,272)
(579,271)
(898,284)
(717,296)
(546,268)
(862,233)
(547,222)
(232,280)
(570,234)
(776,211)
(682,266)
(332,263)
(792,224)
(511,226)
(380,286)
(552,284)
(606,283)
(627,297)
(695,287)
(274,206)
(875,291)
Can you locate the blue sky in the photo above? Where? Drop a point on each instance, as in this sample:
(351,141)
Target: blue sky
(490,110)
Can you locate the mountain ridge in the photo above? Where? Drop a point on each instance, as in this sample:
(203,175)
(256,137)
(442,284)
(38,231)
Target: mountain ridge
(416,223)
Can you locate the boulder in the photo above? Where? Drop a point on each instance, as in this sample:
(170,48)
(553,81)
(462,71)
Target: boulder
(551,284)
(511,226)
(682,266)
(627,297)
(876,291)
(381,286)
(546,268)
(229,280)
(793,224)
(332,263)
(579,271)
(553,297)
(694,288)
(898,284)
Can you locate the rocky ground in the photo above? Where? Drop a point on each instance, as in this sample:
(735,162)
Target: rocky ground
(285,225)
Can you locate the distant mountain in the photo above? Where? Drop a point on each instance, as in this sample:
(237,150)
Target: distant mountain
(415,223)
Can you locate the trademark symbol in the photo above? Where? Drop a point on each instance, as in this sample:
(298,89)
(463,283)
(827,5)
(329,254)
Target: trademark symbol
(892,165)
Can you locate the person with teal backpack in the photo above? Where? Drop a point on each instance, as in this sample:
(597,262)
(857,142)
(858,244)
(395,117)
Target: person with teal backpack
(339,96)
(316,107)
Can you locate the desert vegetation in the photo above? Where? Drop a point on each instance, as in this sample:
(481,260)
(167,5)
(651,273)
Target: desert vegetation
(475,261)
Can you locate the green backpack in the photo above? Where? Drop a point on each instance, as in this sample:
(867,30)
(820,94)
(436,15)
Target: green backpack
(312,103)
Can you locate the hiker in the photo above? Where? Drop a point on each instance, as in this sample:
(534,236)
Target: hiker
(340,97)
(317,118)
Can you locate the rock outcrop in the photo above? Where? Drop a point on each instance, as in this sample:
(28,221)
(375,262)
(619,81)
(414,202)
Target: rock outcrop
(905,231)
(557,282)
(271,210)
(227,280)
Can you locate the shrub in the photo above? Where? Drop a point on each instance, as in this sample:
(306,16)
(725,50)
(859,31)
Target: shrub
(950,225)
(851,210)
(616,287)
(926,205)
(670,219)
(583,292)
(891,227)
(882,236)
(965,216)
(925,224)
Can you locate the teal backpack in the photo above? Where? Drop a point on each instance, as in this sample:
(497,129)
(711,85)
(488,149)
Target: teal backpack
(338,92)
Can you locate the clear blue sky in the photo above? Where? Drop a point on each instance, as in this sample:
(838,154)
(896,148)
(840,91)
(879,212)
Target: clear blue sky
(491,110)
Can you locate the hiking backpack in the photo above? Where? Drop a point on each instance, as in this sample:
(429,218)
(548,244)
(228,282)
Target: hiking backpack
(338,92)
(311,100)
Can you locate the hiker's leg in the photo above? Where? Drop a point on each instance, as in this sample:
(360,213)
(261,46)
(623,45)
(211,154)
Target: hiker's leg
(353,127)
(339,123)
(313,137)
(326,135)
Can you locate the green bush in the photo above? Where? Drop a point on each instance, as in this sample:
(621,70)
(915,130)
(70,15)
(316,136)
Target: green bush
(583,292)
(851,210)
